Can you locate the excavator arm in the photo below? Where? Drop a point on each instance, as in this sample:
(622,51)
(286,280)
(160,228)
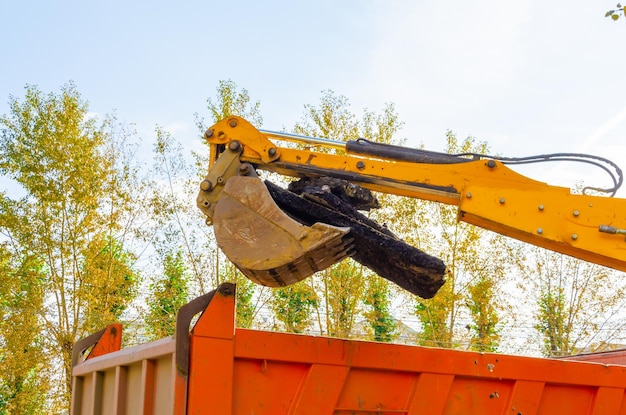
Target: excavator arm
(274,249)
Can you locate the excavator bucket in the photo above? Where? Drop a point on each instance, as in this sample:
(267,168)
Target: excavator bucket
(268,246)
(278,237)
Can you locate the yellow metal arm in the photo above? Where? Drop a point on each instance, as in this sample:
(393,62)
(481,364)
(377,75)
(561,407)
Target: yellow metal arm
(487,193)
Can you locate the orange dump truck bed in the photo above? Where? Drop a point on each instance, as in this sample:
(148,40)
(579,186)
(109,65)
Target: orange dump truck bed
(217,369)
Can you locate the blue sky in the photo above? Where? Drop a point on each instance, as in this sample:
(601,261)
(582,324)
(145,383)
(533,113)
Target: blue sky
(529,76)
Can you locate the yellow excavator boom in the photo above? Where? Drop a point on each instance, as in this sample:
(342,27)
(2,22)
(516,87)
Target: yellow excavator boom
(487,192)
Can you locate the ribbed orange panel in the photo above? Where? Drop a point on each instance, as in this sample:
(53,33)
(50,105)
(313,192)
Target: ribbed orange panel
(436,387)
(320,390)
(243,372)
(526,397)
(607,401)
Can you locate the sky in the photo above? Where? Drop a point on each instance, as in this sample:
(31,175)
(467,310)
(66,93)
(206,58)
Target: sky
(529,77)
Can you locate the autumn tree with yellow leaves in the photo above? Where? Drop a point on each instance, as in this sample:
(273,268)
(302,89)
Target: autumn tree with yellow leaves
(67,236)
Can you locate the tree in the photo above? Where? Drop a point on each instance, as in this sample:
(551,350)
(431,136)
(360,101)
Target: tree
(248,304)
(378,314)
(578,303)
(477,260)
(76,218)
(175,220)
(343,289)
(167,295)
(230,100)
(293,306)
(616,13)
(24,381)
(484,313)
(435,316)
(113,282)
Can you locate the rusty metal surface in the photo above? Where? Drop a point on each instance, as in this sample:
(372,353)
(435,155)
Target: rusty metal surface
(268,246)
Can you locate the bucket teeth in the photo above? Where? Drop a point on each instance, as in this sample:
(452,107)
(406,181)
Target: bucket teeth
(317,260)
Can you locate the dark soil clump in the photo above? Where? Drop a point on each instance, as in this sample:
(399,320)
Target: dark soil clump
(336,202)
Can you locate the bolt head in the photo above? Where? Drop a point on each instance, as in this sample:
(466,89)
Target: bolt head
(244,169)
(206,185)
(208,133)
(234,146)
(271,151)
(232,123)
(360,165)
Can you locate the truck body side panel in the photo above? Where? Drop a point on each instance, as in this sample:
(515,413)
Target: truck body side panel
(240,371)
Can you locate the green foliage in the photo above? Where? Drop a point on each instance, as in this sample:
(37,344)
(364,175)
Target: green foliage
(482,306)
(175,220)
(476,261)
(616,13)
(378,315)
(435,315)
(113,282)
(24,382)
(246,306)
(343,288)
(578,303)
(167,294)
(552,322)
(230,100)
(332,118)
(293,306)
(75,219)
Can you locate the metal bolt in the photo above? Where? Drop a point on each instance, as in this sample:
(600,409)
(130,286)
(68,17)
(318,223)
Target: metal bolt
(468,195)
(271,151)
(502,200)
(220,180)
(491,164)
(208,133)
(576,213)
(360,165)
(244,169)
(539,231)
(234,146)
(206,185)
(574,236)
(541,207)
(232,123)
